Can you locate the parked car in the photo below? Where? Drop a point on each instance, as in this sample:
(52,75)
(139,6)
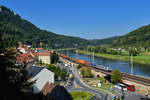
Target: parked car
(121,87)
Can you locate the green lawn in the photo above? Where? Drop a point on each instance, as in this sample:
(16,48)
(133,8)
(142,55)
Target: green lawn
(81,95)
(104,86)
(143,58)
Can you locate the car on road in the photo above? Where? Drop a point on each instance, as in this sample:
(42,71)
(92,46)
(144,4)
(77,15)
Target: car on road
(60,61)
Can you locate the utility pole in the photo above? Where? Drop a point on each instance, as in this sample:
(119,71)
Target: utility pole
(131,63)
(76,54)
(87,53)
(67,52)
(93,57)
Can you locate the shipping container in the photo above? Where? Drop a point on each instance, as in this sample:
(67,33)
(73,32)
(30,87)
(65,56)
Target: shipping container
(70,58)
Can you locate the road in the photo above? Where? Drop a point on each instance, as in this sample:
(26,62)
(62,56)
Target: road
(77,84)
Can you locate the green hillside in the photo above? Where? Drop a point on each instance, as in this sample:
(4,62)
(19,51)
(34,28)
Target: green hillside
(106,41)
(137,38)
(13,29)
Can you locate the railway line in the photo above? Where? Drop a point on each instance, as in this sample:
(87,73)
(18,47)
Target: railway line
(133,78)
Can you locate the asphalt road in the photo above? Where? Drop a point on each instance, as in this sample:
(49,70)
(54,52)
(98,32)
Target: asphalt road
(76,79)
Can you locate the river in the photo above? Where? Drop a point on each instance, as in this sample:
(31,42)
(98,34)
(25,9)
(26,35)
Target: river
(123,66)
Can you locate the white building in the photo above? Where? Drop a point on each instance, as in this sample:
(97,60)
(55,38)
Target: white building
(41,76)
(22,50)
(45,57)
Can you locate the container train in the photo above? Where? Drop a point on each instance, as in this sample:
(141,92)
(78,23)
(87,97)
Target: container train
(86,63)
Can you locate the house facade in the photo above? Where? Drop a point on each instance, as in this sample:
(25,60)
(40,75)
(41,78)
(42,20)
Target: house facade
(44,57)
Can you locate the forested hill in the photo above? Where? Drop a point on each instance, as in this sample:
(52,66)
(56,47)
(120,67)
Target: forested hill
(13,29)
(106,41)
(138,38)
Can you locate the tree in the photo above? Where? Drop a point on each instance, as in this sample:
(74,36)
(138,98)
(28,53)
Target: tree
(14,84)
(133,51)
(116,76)
(63,74)
(83,73)
(54,58)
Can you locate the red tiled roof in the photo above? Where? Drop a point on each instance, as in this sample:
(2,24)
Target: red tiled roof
(46,53)
(47,88)
(21,58)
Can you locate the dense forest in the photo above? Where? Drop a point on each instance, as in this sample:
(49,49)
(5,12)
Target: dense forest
(13,29)
(137,38)
(106,41)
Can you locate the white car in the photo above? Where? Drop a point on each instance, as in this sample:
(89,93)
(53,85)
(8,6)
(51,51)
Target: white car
(121,86)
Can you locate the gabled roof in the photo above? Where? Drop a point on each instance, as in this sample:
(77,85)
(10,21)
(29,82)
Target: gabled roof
(34,70)
(59,93)
(41,76)
(26,57)
(45,53)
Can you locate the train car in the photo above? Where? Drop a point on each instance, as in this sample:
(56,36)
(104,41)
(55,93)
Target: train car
(64,56)
(129,86)
(70,59)
(83,62)
(87,63)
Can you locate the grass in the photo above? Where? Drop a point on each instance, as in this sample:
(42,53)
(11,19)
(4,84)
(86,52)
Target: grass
(81,95)
(107,86)
(143,58)
(104,86)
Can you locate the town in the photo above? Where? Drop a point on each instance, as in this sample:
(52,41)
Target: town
(74,50)
(52,72)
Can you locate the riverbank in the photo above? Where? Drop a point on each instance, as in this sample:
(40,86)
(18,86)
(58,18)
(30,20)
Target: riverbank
(142,59)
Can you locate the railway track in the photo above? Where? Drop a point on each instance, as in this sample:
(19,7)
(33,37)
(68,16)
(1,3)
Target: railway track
(133,78)
(137,79)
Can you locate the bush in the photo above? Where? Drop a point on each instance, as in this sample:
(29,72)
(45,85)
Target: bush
(102,80)
(86,72)
(79,66)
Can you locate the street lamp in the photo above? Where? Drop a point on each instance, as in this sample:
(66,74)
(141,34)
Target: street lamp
(93,57)
(131,63)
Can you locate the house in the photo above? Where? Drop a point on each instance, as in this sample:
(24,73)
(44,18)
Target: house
(24,58)
(42,79)
(44,57)
(59,93)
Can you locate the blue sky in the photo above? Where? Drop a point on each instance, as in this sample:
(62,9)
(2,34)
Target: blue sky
(90,19)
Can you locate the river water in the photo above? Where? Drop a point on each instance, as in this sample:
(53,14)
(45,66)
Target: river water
(123,66)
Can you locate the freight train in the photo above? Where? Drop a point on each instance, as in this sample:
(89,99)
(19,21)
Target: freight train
(82,62)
